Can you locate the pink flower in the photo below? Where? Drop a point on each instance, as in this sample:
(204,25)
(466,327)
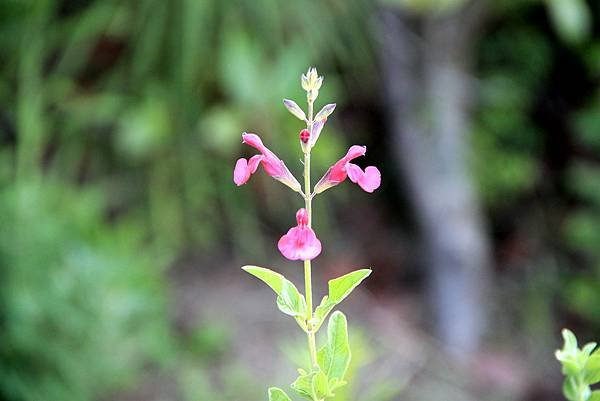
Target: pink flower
(300,242)
(369,180)
(270,162)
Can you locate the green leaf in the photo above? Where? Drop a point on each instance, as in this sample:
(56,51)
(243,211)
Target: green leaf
(595,396)
(277,394)
(323,309)
(592,369)
(341,287)
(303,385)
(289,299)
(291,302)
(570,389)
(334,384)
(320,386)
(334,357)
(269,277)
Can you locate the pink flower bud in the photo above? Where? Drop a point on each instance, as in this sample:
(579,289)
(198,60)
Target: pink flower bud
(304,136)
(302,217)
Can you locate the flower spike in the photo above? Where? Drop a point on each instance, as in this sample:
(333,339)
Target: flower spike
(300,242)
(369,180)
(273,165)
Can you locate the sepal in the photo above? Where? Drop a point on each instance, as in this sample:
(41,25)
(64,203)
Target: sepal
(325,112)
(294,109)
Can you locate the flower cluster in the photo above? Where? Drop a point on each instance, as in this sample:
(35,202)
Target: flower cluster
(301,243)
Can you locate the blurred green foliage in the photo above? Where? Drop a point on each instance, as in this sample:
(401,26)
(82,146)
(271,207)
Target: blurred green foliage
(82,309)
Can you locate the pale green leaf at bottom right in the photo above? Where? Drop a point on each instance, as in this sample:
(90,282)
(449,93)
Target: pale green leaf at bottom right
(277,394)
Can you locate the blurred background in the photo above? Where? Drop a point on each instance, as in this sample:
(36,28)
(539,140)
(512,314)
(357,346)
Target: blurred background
(122,233)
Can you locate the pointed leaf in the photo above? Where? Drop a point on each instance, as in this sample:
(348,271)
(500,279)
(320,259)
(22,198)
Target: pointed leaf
(277,394)
(341,287)
(269,277)
(289,299)
(334,357)
(291,302)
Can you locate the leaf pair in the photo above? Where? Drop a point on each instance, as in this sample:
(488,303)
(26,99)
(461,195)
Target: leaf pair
(291,302)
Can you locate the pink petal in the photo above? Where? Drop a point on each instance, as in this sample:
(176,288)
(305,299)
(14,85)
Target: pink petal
(241,173)
(300,243)
(274,166)
(338,170)
(253,140)
(244,169)
(254,162)
(369,180)
(354,152)
(354,172)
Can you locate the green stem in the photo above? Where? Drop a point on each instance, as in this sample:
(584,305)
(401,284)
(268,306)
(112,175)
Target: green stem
(312,347)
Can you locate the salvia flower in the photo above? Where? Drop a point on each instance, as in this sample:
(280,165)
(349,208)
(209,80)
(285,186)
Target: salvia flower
(273,165)
(369,179)
(300,242)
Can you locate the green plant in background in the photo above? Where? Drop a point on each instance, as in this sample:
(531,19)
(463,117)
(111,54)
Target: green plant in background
(328,364)
(581,367)
(83,301)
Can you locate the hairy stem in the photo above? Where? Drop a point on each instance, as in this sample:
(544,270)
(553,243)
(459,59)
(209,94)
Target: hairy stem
(312,348)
